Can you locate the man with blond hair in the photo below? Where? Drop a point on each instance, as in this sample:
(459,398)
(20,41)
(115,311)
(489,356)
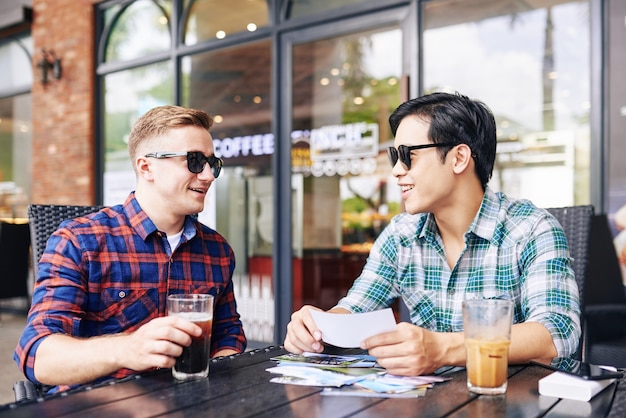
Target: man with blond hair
(99,305)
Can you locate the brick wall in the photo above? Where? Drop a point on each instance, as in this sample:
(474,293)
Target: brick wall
(63,110)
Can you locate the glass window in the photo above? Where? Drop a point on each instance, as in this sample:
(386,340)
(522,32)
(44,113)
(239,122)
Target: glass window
(15,126)
(343,92)
(111,14)
(15,62)
(234,86)
(128,95)
(616,121)
(15,155)
(530,65)
(141,28)
(298,8)
(217,19)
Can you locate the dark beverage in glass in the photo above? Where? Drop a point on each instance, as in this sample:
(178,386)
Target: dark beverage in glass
(195,358)
(193,363)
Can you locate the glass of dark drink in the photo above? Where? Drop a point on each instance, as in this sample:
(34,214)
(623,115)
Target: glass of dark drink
(193,363)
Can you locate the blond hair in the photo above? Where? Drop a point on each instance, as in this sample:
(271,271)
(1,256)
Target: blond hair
(159,120)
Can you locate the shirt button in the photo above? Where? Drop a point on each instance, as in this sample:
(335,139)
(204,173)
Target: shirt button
(451,291)
(122,294)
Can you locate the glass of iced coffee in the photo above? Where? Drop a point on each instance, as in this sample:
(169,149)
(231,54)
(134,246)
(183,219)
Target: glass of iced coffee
(487,328)
(193,363)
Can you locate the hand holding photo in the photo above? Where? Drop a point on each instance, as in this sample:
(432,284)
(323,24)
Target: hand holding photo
(349,330)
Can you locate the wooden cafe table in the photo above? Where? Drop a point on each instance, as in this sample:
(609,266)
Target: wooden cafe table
(238,386)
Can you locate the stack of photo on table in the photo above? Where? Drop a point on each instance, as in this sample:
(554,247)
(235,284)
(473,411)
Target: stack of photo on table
(349,375)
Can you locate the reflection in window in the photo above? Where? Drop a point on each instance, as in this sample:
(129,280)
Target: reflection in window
(519,61)
(128,95)
(15,155)
(217,19)
(15,62)
(344,89)
(298,8)
(346,80)
(15,126)
(141,28)
(234,86)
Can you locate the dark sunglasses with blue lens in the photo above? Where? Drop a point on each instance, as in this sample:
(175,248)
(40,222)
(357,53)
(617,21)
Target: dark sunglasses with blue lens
(195,160)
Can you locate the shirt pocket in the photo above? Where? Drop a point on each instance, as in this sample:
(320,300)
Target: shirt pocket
(423,305)
(121,309)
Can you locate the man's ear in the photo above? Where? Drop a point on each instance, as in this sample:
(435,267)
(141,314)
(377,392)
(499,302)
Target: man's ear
(462,154)
(144,168)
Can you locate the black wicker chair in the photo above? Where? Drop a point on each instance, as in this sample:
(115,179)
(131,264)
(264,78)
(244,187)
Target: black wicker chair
(576,222)
(43,221)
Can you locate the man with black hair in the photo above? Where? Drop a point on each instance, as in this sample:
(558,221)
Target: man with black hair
(456,240)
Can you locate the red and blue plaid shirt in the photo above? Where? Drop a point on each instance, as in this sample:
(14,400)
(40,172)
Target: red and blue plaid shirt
(111,271)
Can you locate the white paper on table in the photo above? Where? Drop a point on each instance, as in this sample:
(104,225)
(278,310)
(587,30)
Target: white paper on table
(348,330)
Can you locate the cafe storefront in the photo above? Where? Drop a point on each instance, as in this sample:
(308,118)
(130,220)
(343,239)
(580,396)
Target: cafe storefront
(301,92)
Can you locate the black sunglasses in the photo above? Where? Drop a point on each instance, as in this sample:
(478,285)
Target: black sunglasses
(404,153)
(195,160)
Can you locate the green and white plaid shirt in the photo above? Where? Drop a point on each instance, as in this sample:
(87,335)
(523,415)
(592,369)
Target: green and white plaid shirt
(513,250)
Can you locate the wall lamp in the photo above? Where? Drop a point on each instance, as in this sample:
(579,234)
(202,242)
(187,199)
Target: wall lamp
(49,63)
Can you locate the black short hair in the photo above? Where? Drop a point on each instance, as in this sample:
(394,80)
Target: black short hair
(457,119)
